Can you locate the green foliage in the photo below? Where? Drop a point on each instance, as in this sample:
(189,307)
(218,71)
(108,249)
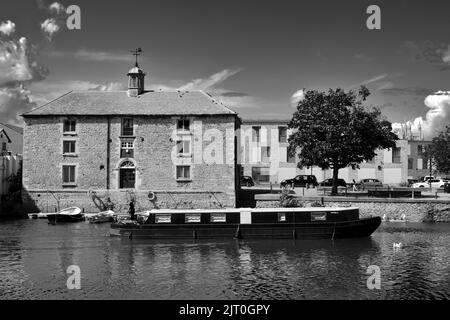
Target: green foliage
(333,130)
(439,151)
(287,200)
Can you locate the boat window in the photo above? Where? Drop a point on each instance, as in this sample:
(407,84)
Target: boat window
(192,218)
(218,217)
(163,218)
(318,216)
(282,217)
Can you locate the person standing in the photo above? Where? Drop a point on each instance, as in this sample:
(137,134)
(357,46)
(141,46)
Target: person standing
(131,211)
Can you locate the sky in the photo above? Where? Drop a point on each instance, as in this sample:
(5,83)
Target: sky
(254,56)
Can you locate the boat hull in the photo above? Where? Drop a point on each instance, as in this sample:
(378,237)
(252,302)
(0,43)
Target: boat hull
(313,230)
(60,218)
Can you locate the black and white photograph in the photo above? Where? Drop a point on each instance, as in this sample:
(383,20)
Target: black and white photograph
(225,156)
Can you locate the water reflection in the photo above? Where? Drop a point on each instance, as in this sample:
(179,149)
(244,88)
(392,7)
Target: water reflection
(35,256)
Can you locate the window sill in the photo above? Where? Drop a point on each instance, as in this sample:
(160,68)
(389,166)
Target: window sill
(127,137)
(70,185)
(70,133)
(184,180)
(72,155)
(184,132)
(184,155)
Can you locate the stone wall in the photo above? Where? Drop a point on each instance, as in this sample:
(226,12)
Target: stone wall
(414,211)
(212,161)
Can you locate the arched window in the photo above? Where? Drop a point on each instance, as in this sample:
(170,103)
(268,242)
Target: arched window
(127,176)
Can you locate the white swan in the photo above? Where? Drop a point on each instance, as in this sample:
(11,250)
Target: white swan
(397,245)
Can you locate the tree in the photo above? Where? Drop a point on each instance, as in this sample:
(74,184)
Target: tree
(439,151)
(333,130)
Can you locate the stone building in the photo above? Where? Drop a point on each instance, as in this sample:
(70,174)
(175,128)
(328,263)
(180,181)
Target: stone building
(130,145)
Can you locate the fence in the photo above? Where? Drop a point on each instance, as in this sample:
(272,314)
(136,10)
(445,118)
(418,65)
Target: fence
(9,165)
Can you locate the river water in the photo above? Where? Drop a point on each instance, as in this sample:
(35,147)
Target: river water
(34,257)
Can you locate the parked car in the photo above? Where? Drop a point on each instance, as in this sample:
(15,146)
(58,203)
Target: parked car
(412,181)
(302,181)
(434,183)
(329,183)
(247,181)
(426,178)
(370,183)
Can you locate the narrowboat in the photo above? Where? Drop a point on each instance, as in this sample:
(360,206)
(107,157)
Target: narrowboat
(249,223)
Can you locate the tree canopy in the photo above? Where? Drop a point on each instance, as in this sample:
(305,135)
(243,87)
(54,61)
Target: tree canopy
(439,151)
(333,130)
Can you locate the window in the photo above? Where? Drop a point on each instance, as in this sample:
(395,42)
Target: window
(127,127)
(218,217)
(127,149)
(183,124)
(281,217)
(256,134)
(396,155)
(3,146)
(69,126)
(184,147)
(424,164)
(318,216)
(183,172)
(163,218)
(420,150)
(192,218)
(282,134)
(410,163)
(69,147)
(68,174)
(265,154)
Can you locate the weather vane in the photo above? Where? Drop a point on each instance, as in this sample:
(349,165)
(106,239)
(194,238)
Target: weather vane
(136,53)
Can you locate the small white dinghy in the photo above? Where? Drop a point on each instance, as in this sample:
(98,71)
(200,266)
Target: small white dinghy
(102,217)
(72,214)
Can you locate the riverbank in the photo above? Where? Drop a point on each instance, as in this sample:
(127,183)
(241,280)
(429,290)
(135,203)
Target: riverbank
(415,210)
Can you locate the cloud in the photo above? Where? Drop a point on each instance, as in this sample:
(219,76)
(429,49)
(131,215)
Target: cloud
(437,117)
(429,52)
(86,55)
(18,65)
(56,7)
(14,101)
(57,20)
(297,97)
(7,28)
(234,94)
(369,81)
(18,68)
(406,91)
(204,84)
(363,57)
(50,27)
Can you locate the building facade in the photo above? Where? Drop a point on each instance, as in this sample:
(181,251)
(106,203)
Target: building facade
(265,157)
(150,147)
(11,139)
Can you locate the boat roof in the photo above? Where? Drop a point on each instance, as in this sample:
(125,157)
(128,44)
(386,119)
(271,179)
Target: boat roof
(256,210)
